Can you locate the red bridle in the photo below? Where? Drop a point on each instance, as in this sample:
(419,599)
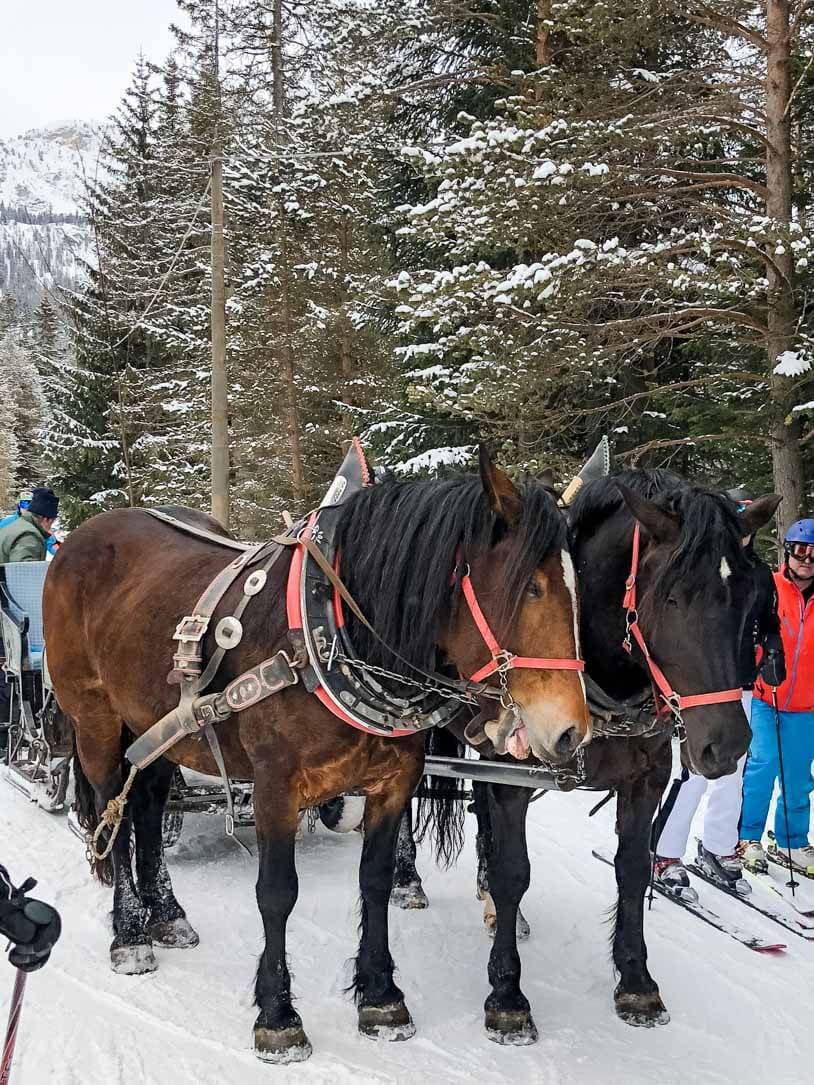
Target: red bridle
(674,702)
(503,660)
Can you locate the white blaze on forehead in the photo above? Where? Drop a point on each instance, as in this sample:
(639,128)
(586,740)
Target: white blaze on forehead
(570,577)
(726,572)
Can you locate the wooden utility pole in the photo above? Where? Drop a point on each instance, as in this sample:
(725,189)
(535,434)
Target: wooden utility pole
(220,394)
(785,427)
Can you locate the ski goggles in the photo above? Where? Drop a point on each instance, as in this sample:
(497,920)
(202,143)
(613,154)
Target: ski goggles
(801,552)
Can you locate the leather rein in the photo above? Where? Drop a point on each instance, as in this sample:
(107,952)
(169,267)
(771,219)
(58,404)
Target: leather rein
(674,703)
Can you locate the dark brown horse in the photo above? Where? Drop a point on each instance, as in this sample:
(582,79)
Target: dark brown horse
(122,582)
(696,587)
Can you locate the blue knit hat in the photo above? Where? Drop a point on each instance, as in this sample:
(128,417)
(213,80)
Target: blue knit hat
(44,502)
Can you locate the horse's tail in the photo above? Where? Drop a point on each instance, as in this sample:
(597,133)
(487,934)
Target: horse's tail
(441,811)
(88,817)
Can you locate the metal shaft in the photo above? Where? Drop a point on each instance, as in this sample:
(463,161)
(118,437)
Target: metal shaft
(791,884)
(492,772)
(13,1024)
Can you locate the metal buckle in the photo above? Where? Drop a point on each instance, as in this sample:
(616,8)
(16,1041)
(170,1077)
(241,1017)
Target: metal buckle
(191,629)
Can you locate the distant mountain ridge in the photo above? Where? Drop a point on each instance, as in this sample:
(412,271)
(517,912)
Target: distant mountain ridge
(43,169)
(44,239)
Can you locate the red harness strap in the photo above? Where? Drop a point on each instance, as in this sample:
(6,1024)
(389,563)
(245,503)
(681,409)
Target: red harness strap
(673,701)
(503,660)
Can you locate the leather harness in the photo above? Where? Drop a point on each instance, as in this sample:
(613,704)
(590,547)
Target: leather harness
(319,636)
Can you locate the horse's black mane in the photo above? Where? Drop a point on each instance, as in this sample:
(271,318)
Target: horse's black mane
(400,542)
(709,525)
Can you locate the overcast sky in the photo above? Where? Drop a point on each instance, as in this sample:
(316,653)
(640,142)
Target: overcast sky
(71,59)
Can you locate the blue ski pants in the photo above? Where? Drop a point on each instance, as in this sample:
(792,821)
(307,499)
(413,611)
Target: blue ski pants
(763,768)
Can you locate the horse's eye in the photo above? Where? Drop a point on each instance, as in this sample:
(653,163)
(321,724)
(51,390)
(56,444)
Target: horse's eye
(672,602)
(534,591)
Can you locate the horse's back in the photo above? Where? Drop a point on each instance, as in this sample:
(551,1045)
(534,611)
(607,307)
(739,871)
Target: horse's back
(121,581)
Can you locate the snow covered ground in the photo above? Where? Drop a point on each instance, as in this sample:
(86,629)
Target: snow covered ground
(736,1015)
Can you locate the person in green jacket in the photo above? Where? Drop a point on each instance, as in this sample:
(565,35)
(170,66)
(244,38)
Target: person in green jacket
(26,537)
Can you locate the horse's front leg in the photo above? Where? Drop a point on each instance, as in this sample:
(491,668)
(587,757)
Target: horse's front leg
(408,892)
(507,1012)
(382,1011)
(483,845)
(278,1033)
(637,997)
(167,923)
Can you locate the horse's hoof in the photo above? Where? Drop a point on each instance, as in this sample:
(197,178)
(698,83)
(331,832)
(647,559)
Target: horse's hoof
(174,933)
(523,929)
(282,1045)
(132,960)
(514,1028)
(641,1010)
(391,1023)
(409,896)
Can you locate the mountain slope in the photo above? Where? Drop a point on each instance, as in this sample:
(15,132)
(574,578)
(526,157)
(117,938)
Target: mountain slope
(44,240)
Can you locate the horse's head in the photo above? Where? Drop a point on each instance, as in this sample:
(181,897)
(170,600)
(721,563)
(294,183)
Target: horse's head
(524,581)
(695,588)
(406,550)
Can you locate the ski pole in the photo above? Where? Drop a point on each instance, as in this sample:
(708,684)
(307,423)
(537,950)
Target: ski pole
(13,1023)
(791,884)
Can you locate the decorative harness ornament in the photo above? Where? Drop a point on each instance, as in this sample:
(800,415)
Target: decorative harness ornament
(673,702)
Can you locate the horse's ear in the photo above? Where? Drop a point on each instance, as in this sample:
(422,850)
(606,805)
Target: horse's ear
(759,513)
(506,502)
(663,526)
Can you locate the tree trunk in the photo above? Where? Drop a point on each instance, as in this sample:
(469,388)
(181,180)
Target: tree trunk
(785,430)
(347,368)
(289,382)
(542,51)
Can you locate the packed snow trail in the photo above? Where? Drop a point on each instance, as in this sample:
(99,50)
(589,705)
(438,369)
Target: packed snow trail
(735,1015)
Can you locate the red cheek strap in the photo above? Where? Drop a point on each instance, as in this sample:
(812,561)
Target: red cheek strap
(503,660)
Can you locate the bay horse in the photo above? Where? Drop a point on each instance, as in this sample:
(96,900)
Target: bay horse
(695,589)
(119,587)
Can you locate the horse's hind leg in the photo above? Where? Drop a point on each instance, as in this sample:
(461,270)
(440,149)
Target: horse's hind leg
(408,892)
(483,846)
(382,1011)
(100,754)
(508,1017)
(637,997)
(167,924)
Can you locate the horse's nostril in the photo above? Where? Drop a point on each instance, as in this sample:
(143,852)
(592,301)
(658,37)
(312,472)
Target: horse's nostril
(568,741)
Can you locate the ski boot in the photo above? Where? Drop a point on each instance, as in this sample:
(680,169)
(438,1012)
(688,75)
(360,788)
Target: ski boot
(802,859)
(673,876)
(752,855)
(725,870)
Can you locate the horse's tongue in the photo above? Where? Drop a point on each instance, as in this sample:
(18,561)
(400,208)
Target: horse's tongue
(518,743)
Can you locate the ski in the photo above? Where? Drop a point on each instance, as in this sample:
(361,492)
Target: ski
(751,941)
(796,926)
(803,907)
